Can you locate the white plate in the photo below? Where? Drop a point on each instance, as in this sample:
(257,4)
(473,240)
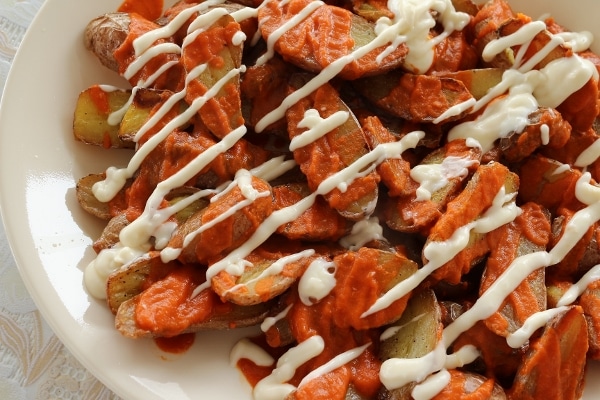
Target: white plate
(50,236)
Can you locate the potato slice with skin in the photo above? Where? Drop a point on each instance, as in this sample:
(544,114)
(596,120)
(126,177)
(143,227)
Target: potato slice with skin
(144,104)
(554,365)
(88,201)
(334,151)
(455,162)
(131,279)
(417,98)
(236,317)
(271,269)
(414,335)
(465,208)
(213,237)
(590,303)
(327,34)
(92,110)
(477,81)
(216,48)
(320,222)
(528,233)
(546,127)
(104,34)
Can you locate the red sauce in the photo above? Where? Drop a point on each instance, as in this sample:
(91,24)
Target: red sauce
(176,344)
(149,9)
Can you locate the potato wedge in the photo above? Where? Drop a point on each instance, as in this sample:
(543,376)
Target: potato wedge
(271,269)
(334,151)
(515,240)
(329,33)
(216,48)
(417,98)
(91,123)
(554,365)
(414,335)
(212,237)
(131,280)
(104,34)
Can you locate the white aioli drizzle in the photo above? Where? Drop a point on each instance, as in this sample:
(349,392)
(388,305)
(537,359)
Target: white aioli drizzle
(336,362)
(433,177)
(363,232)
(271,321)
(579,287)
(317,282)
(589,155)
(244,348)
(274,386)
(519,337)
(317,127)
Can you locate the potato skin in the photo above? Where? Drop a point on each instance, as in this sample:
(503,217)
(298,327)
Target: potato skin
(104,34)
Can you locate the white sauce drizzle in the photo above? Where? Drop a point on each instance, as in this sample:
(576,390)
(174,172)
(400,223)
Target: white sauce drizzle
(589,155)
(317,127)
(432,385)
(274,386)
(317,282)
(338,361)
(579,287)
(545,134)
(271,321)
(433,177)
(519,337)
(244,348)
(363,231)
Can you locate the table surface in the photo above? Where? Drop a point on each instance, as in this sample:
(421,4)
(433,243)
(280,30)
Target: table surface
(33,362)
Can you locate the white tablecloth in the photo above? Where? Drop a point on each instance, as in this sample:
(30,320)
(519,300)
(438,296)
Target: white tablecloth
(33,362)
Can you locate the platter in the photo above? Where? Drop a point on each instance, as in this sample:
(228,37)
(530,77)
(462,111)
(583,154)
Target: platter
(50,235)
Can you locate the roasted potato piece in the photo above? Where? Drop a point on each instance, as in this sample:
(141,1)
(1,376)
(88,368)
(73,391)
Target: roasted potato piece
(546,127)
(554,365)
(270,270)
(216,48)
(464,384)
(131,280)
(212,237)
(319,223)
(515,240)
(110,234)
(105,34)
(414,335)
(91,122)
(437,179)
(542,178)
(468,206)
(477,81)
(417,98)
(589,302)
(329,33)
(88,201)
(144,104)
(144,316)
(333,151)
